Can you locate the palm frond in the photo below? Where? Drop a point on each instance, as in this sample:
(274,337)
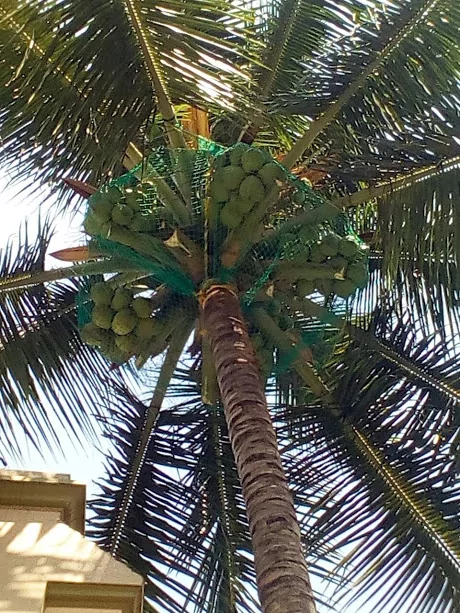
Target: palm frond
(156,506)
(182,533)
(402,182)
(430,309)
(293,30)
(165,376)
(187,512)
(424,351)
(391,507)
(48,377)
(76,88)
(378,77)
(419,231)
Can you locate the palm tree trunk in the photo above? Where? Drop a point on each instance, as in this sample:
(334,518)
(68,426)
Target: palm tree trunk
(282,576)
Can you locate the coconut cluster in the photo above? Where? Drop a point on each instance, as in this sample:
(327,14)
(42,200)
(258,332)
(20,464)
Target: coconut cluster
(330,265)
(264,348)
(122,325)
(264,351)
(128,208)
(247,199)
(243,176)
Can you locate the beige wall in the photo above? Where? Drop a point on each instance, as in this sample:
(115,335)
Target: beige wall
(35,548)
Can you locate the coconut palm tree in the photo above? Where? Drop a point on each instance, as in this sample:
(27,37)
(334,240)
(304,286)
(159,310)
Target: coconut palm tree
(347,97)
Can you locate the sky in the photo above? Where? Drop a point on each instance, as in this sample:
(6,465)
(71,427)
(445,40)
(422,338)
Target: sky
(82,464)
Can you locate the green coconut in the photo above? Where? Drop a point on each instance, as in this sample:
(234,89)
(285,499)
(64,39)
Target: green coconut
(95,227)
(142,223)
(221,160)
(252,189)
(231,177)
(122,298)
(124,321)
(93,335)
(127,343)
(92,224)
(102,316)
(102,209)
(236,153)
(270,173)
(304,287)
(237,204)
(252,160)
(338,262)
(348,247)
(358,272)
(122,214)
(230,217)
(299,196)
(113,194)
(218,192)
(101,293)
(316,254)
(308,234)
(116,355)
(95,198)
(146,329)
(329,244)
(344,289)
(142,307)
(134,199)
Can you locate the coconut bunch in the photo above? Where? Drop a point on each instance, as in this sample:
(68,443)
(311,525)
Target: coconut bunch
(332,264)
(242,177)
(239,212)
(263,345)
(133,208)
(123,325)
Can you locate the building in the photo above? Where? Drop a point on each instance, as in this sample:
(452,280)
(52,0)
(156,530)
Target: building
(46,563)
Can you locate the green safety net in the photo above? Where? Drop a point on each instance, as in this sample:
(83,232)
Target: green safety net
(233,215)
(84,305)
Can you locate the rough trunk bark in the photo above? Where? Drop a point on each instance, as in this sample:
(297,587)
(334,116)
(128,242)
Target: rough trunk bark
(282,576)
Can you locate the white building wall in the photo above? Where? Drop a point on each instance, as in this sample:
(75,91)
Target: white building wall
(36,548)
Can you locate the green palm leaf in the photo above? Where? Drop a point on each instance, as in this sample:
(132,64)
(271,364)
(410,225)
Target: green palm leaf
(177,517)
(382,529)
(48,376)
(378,77)
(62,94)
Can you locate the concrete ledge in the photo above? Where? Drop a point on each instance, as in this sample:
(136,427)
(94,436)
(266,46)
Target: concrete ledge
(125,598)
(21,490)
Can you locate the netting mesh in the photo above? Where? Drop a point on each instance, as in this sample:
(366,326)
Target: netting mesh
(84,305)
(233,215)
